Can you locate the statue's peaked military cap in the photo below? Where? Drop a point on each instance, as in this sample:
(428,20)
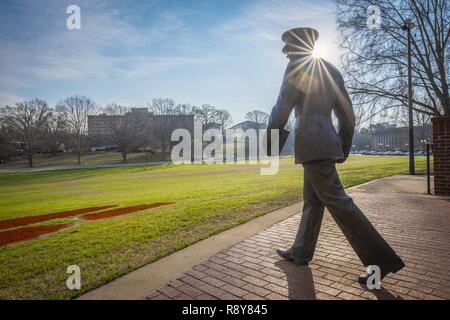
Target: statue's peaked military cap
(303,37)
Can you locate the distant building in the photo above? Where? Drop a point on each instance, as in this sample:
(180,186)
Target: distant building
(98,124)
(247,124)
(397,138)
(288,148)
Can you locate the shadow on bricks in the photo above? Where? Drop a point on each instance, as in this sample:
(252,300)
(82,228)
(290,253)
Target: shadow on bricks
(300,281)
(382,294)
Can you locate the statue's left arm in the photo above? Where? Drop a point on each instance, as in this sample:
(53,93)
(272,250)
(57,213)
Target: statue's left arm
(346,116)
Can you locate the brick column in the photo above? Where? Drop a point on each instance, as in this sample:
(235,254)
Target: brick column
(441,154)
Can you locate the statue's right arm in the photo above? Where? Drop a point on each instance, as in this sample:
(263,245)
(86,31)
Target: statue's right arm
(285,102)
(282,109)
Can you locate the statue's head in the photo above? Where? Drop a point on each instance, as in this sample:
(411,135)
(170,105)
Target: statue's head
(299,41)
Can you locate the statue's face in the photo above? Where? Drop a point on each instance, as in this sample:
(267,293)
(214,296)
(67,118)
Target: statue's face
(296,48)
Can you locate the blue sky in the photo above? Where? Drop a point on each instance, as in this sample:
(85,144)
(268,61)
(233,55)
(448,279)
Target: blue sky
(222,52)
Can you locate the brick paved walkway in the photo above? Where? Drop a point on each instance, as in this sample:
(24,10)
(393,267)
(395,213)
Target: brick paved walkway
(417,227)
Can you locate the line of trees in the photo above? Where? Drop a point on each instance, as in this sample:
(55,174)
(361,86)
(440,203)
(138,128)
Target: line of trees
(32,127)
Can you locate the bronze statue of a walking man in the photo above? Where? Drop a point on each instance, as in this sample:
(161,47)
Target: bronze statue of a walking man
(313,88)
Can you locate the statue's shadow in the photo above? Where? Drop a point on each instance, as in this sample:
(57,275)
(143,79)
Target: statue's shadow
(301,283)
(382,294)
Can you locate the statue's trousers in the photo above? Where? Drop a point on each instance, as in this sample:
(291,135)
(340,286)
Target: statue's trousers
(323,188)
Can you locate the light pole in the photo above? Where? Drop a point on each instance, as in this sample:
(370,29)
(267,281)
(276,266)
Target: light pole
(425,142)
(408,25)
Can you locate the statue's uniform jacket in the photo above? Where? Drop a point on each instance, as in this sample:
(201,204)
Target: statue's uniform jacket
(313,88)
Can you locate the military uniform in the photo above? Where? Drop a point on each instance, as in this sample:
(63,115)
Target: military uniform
(313,88)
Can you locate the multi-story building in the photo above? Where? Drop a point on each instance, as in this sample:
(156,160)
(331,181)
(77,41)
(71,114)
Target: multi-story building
(397,138)
(153,127)
(97,125)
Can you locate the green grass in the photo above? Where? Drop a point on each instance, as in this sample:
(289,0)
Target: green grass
(208,199)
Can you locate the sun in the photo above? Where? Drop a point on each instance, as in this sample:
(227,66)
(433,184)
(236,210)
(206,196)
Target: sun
(319,51)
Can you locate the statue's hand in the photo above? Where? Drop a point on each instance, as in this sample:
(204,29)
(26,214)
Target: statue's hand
(345,148)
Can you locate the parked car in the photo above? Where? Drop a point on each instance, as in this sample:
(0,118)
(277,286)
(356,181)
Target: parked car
(103,148)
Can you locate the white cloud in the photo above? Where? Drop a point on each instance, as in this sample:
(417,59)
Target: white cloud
(108,45)
(262,22)
(8,99)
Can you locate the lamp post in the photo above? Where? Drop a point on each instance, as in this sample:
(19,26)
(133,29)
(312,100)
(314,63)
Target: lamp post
(407,26)
(424,141)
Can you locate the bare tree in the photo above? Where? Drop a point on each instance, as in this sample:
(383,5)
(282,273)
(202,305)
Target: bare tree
(7,146)
(27,121)
(224,118)
(55,130)
(161,122)
(184,108)
(76,110)
(375,60)
(258,120)
(421,121)
(125,128)
(419,118)
(208,115)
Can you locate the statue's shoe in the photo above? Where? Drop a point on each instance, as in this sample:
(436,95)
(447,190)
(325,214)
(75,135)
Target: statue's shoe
(363,278)
(286,254)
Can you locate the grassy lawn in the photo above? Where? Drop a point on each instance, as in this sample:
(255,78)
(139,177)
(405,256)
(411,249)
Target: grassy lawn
(208,199)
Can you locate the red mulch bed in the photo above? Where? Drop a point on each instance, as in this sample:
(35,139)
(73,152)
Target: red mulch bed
(27,233)
(122,211)
(22,221)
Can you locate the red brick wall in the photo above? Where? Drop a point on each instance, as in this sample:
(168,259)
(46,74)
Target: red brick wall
(441,153)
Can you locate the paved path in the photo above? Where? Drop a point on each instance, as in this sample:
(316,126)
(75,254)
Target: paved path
(415,224)
(80,166)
